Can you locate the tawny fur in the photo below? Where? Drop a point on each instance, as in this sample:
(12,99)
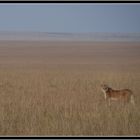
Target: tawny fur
(125,95)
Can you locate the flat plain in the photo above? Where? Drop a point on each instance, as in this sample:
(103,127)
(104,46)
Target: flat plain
(52,88)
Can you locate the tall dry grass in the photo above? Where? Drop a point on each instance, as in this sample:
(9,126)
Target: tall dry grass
(57,101)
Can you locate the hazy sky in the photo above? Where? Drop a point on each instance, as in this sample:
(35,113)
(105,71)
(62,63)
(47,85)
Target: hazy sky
(70,17)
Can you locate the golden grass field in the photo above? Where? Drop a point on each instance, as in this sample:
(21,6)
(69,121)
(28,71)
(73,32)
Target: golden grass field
(53,88)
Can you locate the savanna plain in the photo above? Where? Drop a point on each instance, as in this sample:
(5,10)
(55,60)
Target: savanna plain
(52,88)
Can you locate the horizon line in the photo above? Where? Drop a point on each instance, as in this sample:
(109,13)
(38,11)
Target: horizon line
(22,31)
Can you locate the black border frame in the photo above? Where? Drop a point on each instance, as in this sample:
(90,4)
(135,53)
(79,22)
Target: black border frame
(70,2)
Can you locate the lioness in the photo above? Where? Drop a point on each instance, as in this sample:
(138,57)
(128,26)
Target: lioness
(125,95)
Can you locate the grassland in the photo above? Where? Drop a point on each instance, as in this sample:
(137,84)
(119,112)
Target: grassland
(53,88)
